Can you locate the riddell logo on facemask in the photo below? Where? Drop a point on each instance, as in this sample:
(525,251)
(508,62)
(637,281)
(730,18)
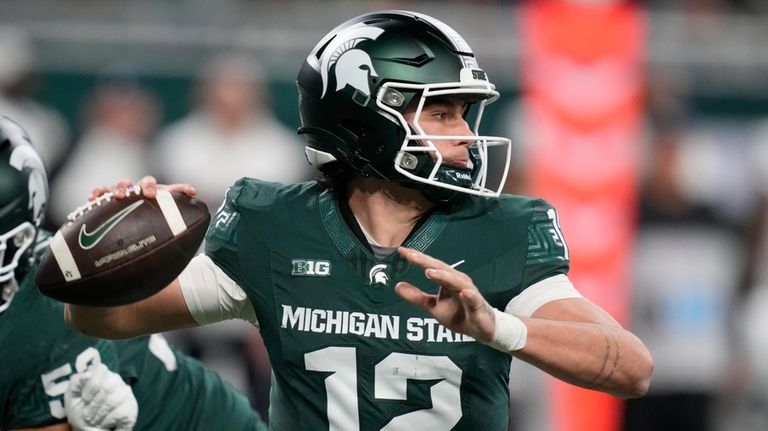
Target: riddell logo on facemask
(463,176)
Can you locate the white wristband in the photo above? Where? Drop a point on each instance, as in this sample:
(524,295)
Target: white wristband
(510,333)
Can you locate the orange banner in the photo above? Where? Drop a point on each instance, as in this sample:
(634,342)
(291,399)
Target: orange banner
(583,82)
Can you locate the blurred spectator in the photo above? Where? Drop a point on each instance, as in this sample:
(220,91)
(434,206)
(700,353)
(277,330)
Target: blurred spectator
(687,265)
(45,126)
(749,409)
(758,265)
(230,134)
(119,118)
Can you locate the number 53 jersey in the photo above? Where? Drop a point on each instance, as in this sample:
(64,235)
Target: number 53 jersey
(347,352)
(38,355)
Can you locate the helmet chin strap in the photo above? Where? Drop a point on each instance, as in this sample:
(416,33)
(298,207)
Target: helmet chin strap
(423,165)
(445,175)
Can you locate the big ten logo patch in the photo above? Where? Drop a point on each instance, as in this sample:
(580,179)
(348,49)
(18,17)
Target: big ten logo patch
(310,267)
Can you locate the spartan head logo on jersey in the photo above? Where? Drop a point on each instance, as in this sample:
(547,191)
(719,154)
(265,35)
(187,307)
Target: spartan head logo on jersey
(351,66)
(378,275)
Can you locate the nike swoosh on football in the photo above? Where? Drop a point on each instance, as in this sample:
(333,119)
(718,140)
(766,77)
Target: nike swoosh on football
(88,240)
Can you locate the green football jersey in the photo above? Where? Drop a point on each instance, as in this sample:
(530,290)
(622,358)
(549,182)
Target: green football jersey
(347,353)
(38,354)
(176,392)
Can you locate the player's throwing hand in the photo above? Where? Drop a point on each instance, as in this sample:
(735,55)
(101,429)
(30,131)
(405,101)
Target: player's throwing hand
(458,305)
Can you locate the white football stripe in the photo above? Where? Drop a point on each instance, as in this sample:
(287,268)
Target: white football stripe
(64,258)
(171,212)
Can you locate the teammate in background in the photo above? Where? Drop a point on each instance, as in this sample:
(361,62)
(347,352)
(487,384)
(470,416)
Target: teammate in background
(54,377)
(329,270)
(177,392)
(38,351)
(173,391)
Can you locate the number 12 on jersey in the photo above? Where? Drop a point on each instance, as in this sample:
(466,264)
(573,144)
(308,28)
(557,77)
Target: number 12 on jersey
(391,383)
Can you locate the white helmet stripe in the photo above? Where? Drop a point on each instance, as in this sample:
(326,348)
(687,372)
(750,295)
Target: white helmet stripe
(459,43)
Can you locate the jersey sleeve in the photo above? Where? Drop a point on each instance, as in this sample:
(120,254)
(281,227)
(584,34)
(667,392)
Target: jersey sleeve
(221,239)
(547,250)
(211,283)
(211,295)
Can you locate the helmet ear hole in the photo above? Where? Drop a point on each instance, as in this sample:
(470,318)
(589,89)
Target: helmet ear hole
(357,129)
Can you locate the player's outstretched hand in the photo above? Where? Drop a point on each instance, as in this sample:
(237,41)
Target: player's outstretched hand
(149,187)
(99,399)
(458,304)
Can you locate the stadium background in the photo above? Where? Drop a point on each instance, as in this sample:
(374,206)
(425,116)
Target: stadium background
(702,90)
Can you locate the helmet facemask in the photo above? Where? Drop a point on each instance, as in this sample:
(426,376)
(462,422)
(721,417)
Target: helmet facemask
(14,249)
(419,159)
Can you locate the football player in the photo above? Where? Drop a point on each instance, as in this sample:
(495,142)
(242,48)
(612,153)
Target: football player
(173,392)
(38,351)
(394,293)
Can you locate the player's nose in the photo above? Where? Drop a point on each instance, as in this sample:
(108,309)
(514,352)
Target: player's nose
(463,129)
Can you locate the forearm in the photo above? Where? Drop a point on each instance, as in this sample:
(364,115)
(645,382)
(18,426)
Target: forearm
(55,427)
(164,311)
(565,335)
(101,322)
(591,355)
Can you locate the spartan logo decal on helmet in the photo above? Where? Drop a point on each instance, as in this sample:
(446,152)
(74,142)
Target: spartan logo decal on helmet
(23,198)
(384,63)
(353,66)
(26,158)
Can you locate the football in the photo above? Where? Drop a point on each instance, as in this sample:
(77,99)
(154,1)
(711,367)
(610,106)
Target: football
(118,251)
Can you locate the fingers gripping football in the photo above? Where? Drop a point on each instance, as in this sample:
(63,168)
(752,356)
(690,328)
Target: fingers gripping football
(148,186)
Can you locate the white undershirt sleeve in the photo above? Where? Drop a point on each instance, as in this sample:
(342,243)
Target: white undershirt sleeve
(211,295)
(538,294)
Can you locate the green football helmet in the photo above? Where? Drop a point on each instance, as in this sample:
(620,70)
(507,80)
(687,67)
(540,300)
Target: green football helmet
(356,84)
(23,198)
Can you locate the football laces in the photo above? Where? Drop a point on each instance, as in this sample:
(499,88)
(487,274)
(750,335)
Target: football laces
(106,197)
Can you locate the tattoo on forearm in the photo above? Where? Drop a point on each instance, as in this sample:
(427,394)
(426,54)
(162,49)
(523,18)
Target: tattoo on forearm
(610,359)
